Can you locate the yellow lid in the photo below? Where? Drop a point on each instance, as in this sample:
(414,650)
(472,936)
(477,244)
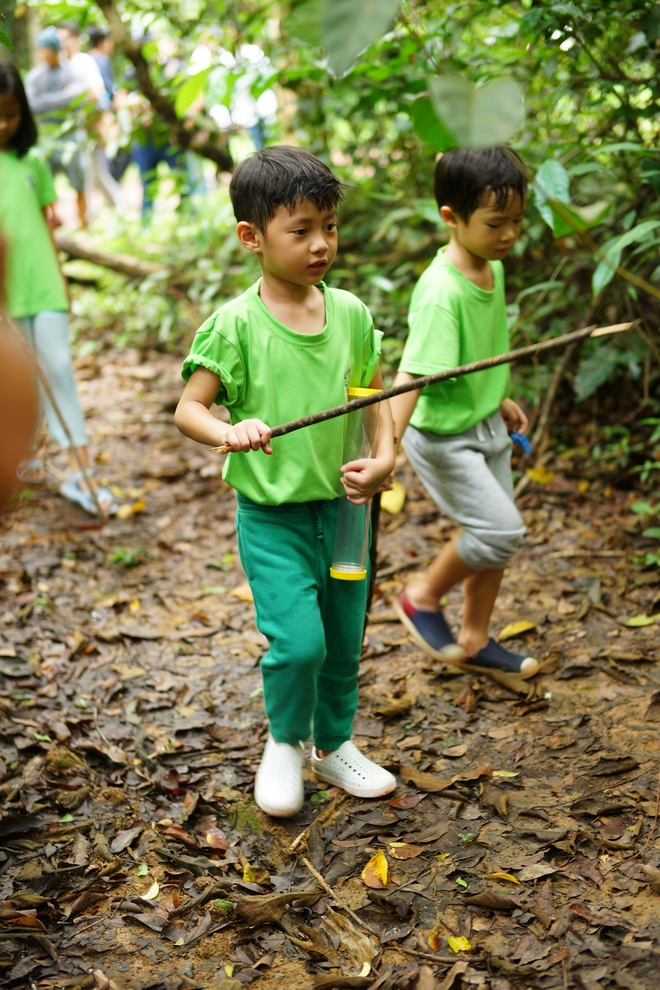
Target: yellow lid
(357,393)
(348,575)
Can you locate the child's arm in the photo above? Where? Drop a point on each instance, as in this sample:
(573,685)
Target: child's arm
(403,406)
(48,214)
(195,420)
(363,478)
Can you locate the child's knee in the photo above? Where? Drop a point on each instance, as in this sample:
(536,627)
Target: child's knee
(487,549)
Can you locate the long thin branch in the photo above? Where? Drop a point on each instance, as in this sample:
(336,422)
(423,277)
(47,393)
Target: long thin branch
(442,376)
(187,138)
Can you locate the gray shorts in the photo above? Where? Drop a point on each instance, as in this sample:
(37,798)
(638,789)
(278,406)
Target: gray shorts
(469,476)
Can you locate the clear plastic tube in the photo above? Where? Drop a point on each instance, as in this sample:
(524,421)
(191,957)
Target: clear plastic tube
(349,559)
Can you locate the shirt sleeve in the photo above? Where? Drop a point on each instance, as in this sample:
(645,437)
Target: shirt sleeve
(212,349)
(45,187)
(433,343)
(372,345)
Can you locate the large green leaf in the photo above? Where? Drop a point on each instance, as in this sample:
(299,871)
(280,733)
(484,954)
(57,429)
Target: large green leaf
(349,26)
(4,40)
(304,22)
(343,28)
(605,270)
(191,89)
(428,125)
(478,116)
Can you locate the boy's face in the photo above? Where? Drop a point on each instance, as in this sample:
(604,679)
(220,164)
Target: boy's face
(296,247)
(491,232)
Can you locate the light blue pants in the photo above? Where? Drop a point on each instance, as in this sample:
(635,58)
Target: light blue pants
(48,336)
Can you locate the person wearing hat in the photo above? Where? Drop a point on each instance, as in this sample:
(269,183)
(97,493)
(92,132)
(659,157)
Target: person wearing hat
(52,89)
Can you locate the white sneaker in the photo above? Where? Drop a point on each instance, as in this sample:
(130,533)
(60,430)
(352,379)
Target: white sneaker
(347,768)
(278,787)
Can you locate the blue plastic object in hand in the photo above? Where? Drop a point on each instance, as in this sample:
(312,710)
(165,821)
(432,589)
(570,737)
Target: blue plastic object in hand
(522,441)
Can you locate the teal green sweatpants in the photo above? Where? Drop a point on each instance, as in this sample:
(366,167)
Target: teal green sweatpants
(313,623)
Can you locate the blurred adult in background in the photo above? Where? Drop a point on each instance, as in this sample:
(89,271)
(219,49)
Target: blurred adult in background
(37,293)
(83,65)
(87,69)
(53,90)
(115,128)
(101,47)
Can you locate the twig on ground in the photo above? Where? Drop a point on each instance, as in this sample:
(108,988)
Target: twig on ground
(365,924)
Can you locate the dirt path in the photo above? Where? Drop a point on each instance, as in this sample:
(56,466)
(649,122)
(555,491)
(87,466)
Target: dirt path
(132,723)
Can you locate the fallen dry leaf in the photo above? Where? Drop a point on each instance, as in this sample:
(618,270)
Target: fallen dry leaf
(394,500)
(516,629)
(243,591)
(404,850)
(375,872)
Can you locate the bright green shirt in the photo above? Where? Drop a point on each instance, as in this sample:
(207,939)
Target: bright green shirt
(271,373)
(33,282)
(452,322)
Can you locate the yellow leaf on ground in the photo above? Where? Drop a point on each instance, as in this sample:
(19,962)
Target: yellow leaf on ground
(502,876)
(248,874)
(394,500)
(516,629)
(243,591)
(506,773)
(434,941)
(459,943)
(152,893)
(641,620)
(135,605)
(583,486)
(126,510)
(540,475)
(375,872)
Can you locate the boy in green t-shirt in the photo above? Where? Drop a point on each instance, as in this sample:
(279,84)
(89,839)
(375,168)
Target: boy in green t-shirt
(286,348)
(455,433)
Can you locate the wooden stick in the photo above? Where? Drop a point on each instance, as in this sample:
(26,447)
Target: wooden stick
(418,383)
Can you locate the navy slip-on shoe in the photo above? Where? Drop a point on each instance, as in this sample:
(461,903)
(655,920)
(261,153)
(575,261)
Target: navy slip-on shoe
(429,630)
(494,657)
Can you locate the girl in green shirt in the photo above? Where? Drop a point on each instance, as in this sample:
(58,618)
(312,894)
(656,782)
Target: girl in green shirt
(37,295)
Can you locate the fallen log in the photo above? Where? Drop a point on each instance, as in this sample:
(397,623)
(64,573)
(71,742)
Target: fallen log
(80,246)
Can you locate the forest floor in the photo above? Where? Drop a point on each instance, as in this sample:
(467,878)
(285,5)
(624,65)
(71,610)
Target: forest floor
(131,725)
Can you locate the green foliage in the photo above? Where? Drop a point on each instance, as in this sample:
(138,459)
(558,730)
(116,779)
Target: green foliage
(128,557)
(478,116)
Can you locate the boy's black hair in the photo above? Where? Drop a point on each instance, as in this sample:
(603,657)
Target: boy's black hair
(464,176)
(281,176)
(96,35)
(10,82)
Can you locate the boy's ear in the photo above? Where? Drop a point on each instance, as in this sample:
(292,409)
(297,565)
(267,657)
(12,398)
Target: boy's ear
(448,216)
(248,236)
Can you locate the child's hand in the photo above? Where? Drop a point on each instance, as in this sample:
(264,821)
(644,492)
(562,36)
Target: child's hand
(513,416)
(251,434)
(363,478)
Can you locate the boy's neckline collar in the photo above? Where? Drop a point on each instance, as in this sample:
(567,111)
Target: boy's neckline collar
(464,277)
(302,339)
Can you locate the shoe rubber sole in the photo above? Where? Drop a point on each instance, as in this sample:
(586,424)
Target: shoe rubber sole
(361,792)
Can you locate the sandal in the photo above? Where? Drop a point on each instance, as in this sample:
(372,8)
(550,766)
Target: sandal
(76,491)
(32,471)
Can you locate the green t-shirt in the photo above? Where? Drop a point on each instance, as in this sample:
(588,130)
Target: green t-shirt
(33,280)
(452,322)
(271,373)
